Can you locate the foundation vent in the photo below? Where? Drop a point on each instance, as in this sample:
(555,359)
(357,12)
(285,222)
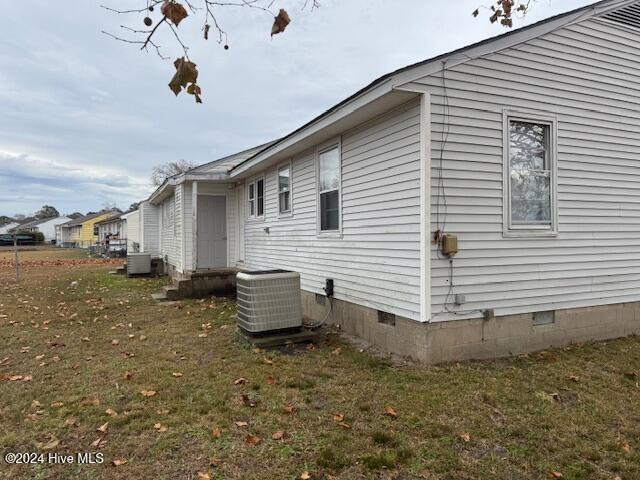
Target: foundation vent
(386,318)
(629,15)
(544,318)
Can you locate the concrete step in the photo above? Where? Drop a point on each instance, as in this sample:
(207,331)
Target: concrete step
(159,297)
(172,292)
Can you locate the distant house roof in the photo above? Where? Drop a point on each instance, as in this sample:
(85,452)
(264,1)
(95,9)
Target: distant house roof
(33,223)
(80,220)
(110,219)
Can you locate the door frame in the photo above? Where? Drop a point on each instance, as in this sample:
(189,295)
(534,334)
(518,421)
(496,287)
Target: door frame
(226,213)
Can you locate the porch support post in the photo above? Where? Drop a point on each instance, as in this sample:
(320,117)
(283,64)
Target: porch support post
(425,207)
(194,240)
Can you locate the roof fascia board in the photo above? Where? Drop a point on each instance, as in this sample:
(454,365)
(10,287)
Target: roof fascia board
(316,126)
(403,80)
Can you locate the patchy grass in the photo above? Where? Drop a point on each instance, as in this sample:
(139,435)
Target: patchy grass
(572,411)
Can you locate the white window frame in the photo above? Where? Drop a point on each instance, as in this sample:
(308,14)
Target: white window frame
(288,165)
(254,182)
(325,147)
(530,230)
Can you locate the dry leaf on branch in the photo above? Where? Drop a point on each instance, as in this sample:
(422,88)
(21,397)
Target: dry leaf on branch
(280,22)
(186,77)
(174,12)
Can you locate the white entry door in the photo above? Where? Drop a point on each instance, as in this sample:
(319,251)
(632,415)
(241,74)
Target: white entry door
(212,231)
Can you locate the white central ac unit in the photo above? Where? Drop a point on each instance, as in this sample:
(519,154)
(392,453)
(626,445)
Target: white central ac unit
(268,300)
(138,263)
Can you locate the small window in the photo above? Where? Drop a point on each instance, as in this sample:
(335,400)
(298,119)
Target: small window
(284,189)
(95,229)
(256,198)
(252,200)
(329,189)
(530,176)
(260,189)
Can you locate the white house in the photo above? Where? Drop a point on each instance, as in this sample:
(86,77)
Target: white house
(46,226)
(524,147)
(8,227)
(132,225)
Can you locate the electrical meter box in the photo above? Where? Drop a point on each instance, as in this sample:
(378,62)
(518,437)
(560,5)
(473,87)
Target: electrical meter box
(449,245)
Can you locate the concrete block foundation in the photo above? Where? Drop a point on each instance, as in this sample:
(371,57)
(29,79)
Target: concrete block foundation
(456,340)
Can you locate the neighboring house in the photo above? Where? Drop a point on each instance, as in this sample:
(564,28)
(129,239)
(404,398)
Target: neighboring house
(112,234)
(132,235)
(81,232)
(526,147)
(8,228)
(46,226)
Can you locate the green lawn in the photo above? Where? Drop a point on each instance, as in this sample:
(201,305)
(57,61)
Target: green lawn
(87,344)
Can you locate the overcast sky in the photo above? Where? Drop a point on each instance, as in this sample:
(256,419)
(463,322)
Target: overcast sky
(84,118)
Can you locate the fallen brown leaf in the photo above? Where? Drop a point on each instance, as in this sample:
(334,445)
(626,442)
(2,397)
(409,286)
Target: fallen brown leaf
(241,424)
(104,427)
(390,411)
(465,437)
(240,381)
(118,461)
(111,412)
(279,435)
(252,440)
(148,393)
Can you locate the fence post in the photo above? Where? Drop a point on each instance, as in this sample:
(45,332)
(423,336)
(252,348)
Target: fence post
(15,248)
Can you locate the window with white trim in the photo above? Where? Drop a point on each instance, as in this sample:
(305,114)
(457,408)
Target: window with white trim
(530,176)
(255,197)
(329,189)
(284,189)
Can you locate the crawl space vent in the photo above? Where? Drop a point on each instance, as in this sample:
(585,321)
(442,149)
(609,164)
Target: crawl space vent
(629,16)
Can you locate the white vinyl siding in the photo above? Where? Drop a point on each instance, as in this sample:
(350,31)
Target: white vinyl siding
(586,75)
(150,229)
(376,261)
(169,244)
